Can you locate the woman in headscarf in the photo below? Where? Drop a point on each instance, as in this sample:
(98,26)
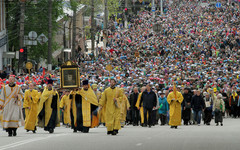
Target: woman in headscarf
(218,107)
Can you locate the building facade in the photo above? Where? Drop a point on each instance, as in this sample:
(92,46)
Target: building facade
(3,34)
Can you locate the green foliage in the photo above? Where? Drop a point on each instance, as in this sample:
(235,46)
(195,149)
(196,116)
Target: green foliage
(113,6)
(87,32)
(36,19)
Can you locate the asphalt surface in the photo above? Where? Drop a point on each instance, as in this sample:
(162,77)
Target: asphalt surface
(194,137)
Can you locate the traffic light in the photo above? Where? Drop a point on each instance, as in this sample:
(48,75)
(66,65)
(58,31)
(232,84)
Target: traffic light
(23,54)
(126,11)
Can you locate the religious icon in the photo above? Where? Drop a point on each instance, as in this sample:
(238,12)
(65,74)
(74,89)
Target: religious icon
(69,75)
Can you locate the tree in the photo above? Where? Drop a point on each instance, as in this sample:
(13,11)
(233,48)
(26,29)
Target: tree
(113,7)
(36,19)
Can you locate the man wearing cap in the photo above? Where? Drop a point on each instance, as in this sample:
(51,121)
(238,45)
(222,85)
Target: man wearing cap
(30,104)
(10,103)
(85,105)
(49,108)
(111,99)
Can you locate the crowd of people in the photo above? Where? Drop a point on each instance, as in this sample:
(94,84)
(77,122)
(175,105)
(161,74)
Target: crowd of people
(186,71)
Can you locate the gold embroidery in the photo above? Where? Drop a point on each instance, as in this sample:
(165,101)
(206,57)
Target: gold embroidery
(10,121)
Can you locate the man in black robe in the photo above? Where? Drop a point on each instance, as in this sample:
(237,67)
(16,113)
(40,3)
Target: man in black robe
(134,109)
(49,106)
(79,125)
(186,106)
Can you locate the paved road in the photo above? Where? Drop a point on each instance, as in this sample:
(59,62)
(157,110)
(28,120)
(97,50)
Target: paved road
(131,138)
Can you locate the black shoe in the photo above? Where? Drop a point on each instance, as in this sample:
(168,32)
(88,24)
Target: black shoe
(9,132)
(149,126)
(172,127)
(221,124)
(34,131)
(208,124)
(109,132)
(51,131)
(175,127)
(85,131)
(74,130)
(14,133)
(114,133)
(27,130)
(144,125)
(217,124)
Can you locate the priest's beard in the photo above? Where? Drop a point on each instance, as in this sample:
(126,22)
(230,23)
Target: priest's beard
(11,84)
(113,87)
(85,89)
(49,88)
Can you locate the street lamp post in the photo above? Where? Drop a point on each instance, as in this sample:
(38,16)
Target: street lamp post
(161,7)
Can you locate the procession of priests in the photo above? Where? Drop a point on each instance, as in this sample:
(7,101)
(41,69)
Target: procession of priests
(89,106)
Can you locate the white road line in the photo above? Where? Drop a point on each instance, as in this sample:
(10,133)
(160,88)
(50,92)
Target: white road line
(28,141)
(138,144)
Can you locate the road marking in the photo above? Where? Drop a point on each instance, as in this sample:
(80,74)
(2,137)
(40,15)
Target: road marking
(28,141)
(138,144)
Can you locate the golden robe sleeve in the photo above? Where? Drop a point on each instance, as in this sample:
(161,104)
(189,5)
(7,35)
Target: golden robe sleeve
(138,100)
(170,97)
(102,101)
(45,95)
(35,97)
(62,102)
(26,102)
(179,97)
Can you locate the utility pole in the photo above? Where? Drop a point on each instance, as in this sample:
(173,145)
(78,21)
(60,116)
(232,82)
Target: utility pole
(105,24)
(92,27)
(153,8)
(161,7)
(83,36)
(64,40)
(74,34)
(49,58)
(126,6)
(21,33)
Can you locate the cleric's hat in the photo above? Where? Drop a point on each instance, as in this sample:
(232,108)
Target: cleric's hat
(85,82)
(49,81)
